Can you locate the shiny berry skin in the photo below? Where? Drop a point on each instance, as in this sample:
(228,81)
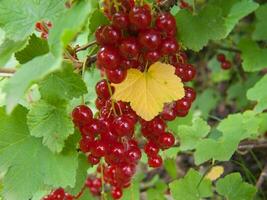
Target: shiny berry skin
(120,20)
(126,170)
(166,140)
(186,72)
(182,104)
(99,148)
(115,153)
(150,39)
(154,161)
(82,115)
(116,76)
(190,94)
(127,64)
(168,113)
(109,58)
(93,160)
(166,22)
(152,56)
(107,35)
(226,65)
(100,103)
(169,46)
(129,48)
(151,148)
(102,89)
(140,17)
(157,126)
(116,193)
(133,155)
(123,126)
(221,57)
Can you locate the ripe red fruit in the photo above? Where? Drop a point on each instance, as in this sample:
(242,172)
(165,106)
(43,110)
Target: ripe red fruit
(116,193)
(102,89)
(140,17)
(127,64)
(152,56)
(125,170)
(99,148)
(185,72)
(169,46)
(150,39)
(129,48)
(166,140)
(107,35)
(120,20)
(154,161)
(116,76)
(157,126)
(82,115)
(190,93)
(221,57)
(133,155)
(151,148)
(226,65)
(182,105)
(168,113)
(123,126)
(93,160)
(100,102)
(109,58)
(166,22)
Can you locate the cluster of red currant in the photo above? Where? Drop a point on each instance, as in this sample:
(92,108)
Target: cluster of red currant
(58,194)
(225,64)
(43,27)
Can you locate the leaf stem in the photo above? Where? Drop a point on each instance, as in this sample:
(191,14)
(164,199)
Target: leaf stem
(84,47)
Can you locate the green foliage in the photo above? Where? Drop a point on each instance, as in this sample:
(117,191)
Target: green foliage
(257,93)
(97,19)
(191,187)
(260,32)
(35,47)
(253,56)
(233,188)
(18,17)
(29,165)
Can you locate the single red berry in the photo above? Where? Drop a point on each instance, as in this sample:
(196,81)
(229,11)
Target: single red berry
(100,102)
(166,140)
(169,46)
(102,89)
(157,126)
(133,155)
(107,35)
(116,76)
(166,22)
(226,65)
(99,148)
(151,148)
(182,105)
(93,160)
(120,20)
(140,17)
(109,58)
(129,48)
(116,193)
(154,161)
(152,56)
(190,94)
(221,57)
(82,115)
(127,64)
(150,39)
(168,113)
(123,126)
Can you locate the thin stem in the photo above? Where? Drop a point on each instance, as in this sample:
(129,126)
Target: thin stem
(7,72)
(262,177)
(84,47)
(102,180)
(112,100)
(80,193)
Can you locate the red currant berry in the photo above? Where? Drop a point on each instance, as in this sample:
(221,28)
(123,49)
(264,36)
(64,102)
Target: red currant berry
(82,115)
(123,126)
(140,17)
(108,58)
(182,105)
(99,148)
(102,89)
(154,161)
(107,35)
(190,94)
(151,148)
(152,56)
(166,22)
(150,39)
(120,20)
(127,64)
(226,65)
(166,140)
(221,57)
(116,76)
(116,193)
(129,48)
(168,113)
(93,160)
(169,46)
(133,155)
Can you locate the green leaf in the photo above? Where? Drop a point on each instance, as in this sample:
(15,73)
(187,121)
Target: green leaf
(207,24)
(69,24)
(191,187)
(258,93)
(18,17)
(29,165)
(62,85)
(7,48)
(191,135)
(234,128)
(233,188)
(29,73)
(35,47)
(97,19)
(260,32)
(170,167)
(133,192)
(254,57)
(52,123)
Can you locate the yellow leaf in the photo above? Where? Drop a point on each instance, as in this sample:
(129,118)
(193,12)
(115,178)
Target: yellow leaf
(147,92)
(214,173)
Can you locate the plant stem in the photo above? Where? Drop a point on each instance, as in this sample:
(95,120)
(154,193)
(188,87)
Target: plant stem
(84,47)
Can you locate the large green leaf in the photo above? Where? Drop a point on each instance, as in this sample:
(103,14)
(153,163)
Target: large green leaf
(35,47)
(28,164)
(258,93)
(29,73)
(18,17)
(62,85)
(52,123)
(69,24)
(260,32)
(191,135)
(191,187)
(97,19)
(254,57)
(233,188)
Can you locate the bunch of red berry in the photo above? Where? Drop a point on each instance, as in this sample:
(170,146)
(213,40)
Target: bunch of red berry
(58,194)
(225,64)
(43,27)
